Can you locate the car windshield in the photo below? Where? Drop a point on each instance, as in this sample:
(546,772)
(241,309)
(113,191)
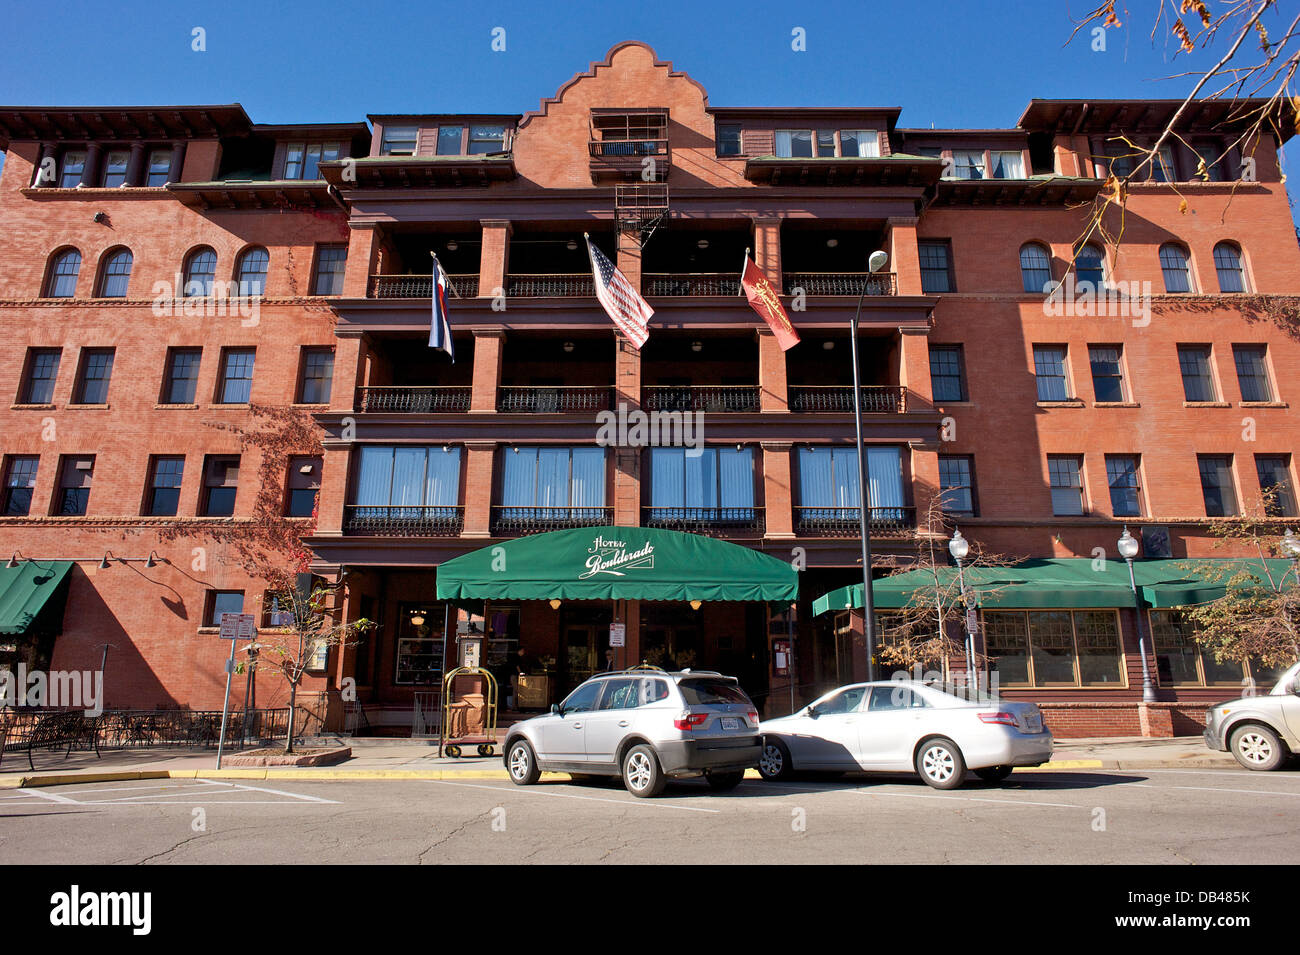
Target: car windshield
(707,692)
(964,691)
(1285,684)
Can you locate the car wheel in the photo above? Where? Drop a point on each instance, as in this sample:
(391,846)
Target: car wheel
(641,773)
(1258,747)
(724,782)
(521,763)
(774,762)
(993,774)
(940,764)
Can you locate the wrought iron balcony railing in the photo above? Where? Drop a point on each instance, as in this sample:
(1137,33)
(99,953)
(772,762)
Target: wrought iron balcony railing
(719,398)
(876,399)
(561,399)
(509,519)
(420,286)
(712,521)
(844,521)
(841,283)
(690,283)
(414,399)
(551,285)
(617,148)
(403,520)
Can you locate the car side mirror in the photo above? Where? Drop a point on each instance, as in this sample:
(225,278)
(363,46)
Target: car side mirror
(812,712)
(555,708)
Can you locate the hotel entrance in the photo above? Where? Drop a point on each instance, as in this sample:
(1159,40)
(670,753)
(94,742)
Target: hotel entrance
(584,632)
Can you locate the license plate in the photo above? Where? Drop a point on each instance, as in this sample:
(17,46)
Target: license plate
(730,724)
(1033,723)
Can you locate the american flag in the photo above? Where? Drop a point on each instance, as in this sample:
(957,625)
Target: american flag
(622,304)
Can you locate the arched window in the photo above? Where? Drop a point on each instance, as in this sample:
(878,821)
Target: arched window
(200,270)
(64,269)
(251,274)
(1227,262)
(1090,266)
(1174,265)
(115,274)
(1035,267)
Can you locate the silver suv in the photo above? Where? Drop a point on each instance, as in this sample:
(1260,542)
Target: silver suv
(643,725)
(1260,731)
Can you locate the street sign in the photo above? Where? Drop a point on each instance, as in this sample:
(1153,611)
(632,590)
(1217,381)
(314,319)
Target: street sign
(618,634)
(238,626)
(972,621)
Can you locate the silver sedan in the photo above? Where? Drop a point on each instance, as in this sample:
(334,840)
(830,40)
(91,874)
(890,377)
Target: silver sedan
(906,726)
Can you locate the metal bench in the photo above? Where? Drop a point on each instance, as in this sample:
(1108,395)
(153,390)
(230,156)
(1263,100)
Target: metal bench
(49,731)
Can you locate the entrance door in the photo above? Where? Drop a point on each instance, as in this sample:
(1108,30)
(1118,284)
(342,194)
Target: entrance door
(581,654)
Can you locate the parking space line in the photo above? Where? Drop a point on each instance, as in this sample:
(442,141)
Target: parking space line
(521,791)
(281,792)
(52,797)
(1261,776)
(1217,789)
(125,789)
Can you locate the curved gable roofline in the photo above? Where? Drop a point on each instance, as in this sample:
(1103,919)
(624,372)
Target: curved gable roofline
(590,73)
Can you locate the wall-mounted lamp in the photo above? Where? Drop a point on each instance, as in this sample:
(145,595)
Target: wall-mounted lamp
(101,217)
(14,560)
(568,346)
(828,345)
(152,560)
(832,243)
(702,244)
(417,619)
(697,346)
(453,245)
(555,603)
(695,604)
(103,561)
(571,244)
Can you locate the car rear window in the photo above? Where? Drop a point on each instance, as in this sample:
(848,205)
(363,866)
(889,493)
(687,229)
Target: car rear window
(706,692)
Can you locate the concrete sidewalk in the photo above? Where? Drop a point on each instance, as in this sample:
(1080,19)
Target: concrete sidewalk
(418,759)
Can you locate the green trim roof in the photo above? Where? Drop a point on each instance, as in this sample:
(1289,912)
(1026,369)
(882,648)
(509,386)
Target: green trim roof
(617,563)
(25,591)
(1066,582)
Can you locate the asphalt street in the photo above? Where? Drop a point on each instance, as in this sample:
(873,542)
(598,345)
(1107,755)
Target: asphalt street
(1104,816)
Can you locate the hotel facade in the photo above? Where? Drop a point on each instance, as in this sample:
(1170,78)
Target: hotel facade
(166,272)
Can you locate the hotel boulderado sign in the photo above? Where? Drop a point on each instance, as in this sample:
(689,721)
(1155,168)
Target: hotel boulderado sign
(613,557)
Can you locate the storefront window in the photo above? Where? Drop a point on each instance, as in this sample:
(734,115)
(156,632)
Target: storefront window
(419,645)
(1180,661)
(1054,647)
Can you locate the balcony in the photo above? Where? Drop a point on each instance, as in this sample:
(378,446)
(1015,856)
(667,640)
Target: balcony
(403,520)
(625,160)
(841,283)
(709,521)
(845,522)
(551,285)
(711,398)
(557,400)
(510,520)
(413,399)
(691,283)
(420,286)
(875,399)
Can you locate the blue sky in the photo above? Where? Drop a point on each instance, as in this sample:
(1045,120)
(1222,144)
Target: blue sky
(969,64)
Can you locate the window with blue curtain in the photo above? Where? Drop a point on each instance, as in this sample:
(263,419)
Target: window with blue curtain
(553,483)
(410,481)
(828,484)
(716,484)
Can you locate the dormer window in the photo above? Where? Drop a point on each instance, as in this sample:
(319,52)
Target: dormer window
(486,139)
(398,141)
(827,143)
(728,138)
(302,160)
(74,167)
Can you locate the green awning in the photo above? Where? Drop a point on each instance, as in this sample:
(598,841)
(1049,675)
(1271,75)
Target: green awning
(1061,583)
(26,590)
(617,563)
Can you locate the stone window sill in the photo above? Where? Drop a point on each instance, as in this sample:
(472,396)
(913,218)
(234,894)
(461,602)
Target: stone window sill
(1207,404)
(82,407)
(27,407)
(1068,403)
(175,407)
(1264,404)
(1116,404)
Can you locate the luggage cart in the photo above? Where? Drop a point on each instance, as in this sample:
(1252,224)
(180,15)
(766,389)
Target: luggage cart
(487,740)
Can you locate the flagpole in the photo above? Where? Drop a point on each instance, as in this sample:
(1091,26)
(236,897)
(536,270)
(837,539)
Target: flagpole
(743,269)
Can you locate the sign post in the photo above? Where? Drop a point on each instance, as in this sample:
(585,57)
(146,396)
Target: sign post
(234,626)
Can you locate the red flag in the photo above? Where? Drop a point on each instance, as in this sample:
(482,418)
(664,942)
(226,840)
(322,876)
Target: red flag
(763,299)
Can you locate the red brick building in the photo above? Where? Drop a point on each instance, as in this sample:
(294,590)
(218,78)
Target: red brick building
(1046,433)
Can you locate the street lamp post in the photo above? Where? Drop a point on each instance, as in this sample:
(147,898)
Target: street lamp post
(959,547)
(1128,549)
(1291,547)
(875,263)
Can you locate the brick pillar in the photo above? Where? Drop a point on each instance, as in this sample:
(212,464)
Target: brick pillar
(489,352)
(772,392)
(351,354)
(767,248)
(904,259)
(494,257)
(363,260)
(777,492)
(333,495)
(1156,721)
(629,257)
(914,366)
(628,612)
(627,373)
(627,486)
(478,488)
